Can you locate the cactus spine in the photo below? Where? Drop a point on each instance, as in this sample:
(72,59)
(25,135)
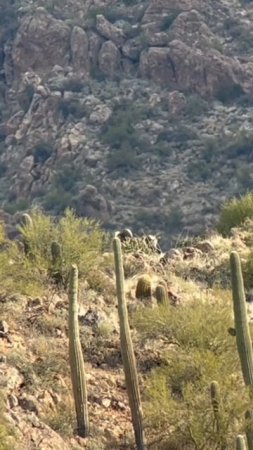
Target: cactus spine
(249,428)
(161,295)
(240,443)
(127,351)
(243,339)
(76,358)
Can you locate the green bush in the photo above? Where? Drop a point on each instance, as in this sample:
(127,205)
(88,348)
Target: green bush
(234,212)
(81,240)
(177,404)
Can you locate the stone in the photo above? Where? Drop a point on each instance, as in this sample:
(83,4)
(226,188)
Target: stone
(205,246)
(28,403)
(4,327)
(91,203)
(176,102)
(100,114)
(109,31)
(40,43)
(109,59)
(158,9)
(79,50)
(95,44)
(12,401)
(106,402)
(184,67)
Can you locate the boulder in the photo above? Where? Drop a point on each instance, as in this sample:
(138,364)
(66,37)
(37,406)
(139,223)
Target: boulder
(41,42)
(109,59)
(109,31)
(205,72)
(79,50)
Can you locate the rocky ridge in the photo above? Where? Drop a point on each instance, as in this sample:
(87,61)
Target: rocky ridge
(135,113)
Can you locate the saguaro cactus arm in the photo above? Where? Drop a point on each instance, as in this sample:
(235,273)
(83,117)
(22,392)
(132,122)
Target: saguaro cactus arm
(127,351)
(243,339)
(76,358)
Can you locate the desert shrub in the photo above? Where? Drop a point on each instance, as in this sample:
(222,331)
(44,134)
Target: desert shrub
(195,105)
(244,177)
(228,93)
(16,205)
(119,133)
(169,222)
(72,107)
(123,159)
(17,274)
(168,20)
(177,402)
(57,200)
(42,152)
(67,176)
(81,240)
(234,212)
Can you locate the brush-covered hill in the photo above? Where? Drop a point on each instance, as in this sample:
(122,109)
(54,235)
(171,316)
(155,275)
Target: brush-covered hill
(180,347)
(136,112)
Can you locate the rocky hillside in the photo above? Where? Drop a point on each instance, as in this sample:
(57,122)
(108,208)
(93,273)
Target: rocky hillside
(178,351)
(138,112)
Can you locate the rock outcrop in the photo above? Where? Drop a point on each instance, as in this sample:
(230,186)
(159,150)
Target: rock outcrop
(112,91)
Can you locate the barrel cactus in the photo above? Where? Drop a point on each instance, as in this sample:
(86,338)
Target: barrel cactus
(143,288)
(161,295)
(127,352)
(78,377)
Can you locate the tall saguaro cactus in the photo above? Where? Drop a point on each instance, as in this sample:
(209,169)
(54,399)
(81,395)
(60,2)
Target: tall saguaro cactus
(127,351)
(240,442)
(243,339)
(217,412)
(76,358)
(215,400)
(249,428)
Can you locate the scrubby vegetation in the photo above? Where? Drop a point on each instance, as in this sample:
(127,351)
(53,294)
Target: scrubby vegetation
(234,212)
(190,378)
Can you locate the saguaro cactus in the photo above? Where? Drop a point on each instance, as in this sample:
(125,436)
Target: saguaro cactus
(249,428)
(76,358)
(243,339)
(26,220)
(240,443)
(217,412)
(215,400)
(127,351)
(56,268)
